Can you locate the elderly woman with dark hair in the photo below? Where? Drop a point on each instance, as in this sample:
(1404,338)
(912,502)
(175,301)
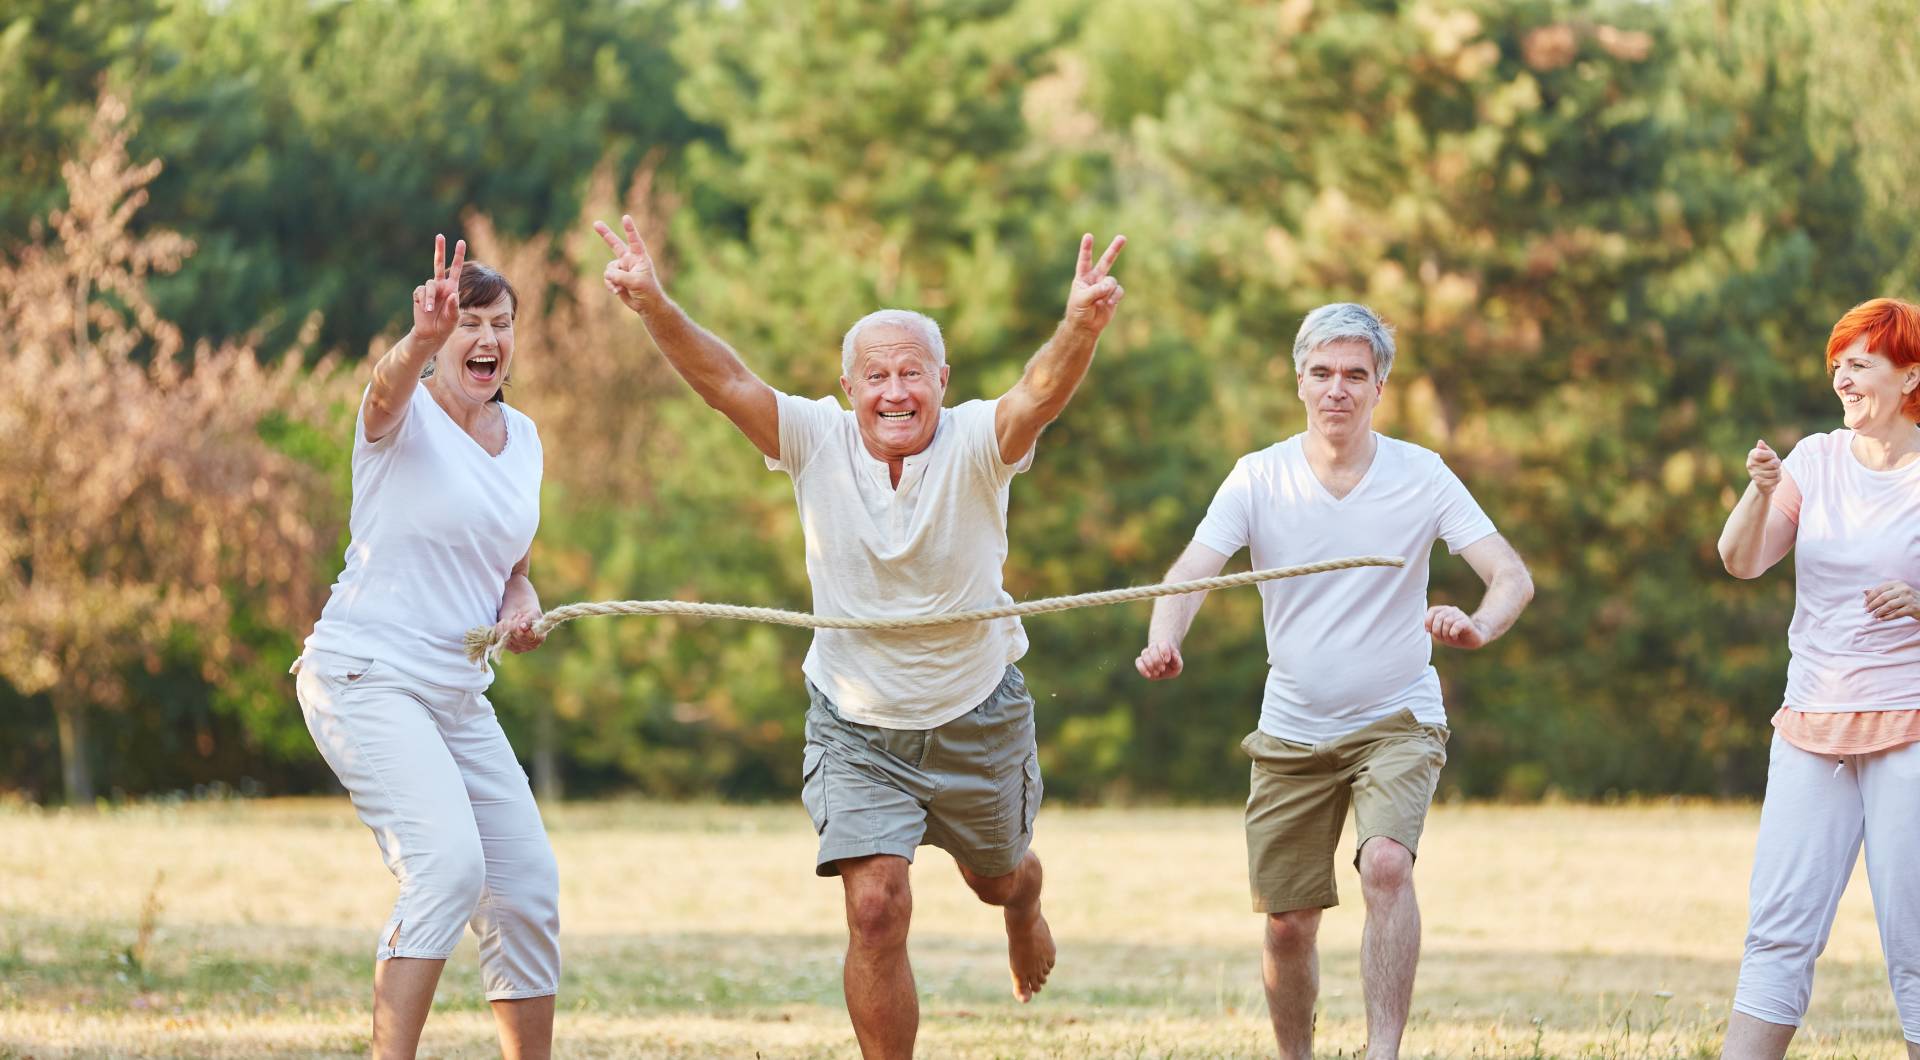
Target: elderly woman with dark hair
(1845,765)
(446,497)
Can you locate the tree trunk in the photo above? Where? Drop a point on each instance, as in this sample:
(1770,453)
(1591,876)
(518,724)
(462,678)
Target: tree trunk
(76,769)
(546,768)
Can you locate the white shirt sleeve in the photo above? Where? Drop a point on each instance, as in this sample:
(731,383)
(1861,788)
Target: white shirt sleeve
(1461,521)
(976,421)
(1228,525)
(804,426)
(390,440)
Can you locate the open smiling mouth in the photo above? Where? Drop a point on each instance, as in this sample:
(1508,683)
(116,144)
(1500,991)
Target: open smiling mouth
(897,417)
(484,366)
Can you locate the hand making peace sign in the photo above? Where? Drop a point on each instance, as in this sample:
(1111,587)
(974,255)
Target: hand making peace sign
(1091,302)
(436,303)
(630,274)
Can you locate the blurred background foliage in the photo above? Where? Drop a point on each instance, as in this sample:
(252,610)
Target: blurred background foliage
(1612,236)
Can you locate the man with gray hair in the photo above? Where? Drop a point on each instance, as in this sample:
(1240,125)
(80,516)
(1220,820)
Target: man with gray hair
(913,736)
(1351,713)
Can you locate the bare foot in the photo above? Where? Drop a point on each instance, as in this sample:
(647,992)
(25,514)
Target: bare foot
(1030,952)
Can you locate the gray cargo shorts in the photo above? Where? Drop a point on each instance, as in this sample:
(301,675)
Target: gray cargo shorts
(970,787)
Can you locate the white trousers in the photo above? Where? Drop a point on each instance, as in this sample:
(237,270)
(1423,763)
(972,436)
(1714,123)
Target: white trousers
(432,774)
(1819,809)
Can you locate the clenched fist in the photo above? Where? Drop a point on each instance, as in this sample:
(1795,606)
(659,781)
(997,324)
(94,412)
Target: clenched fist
(1763,466)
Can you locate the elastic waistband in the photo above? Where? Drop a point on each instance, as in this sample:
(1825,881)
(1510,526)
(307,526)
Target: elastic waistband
(321,657)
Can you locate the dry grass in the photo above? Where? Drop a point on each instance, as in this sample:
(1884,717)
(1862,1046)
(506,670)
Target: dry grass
(699,931)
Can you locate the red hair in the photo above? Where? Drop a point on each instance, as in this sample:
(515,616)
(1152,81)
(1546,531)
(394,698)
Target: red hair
(1892,330)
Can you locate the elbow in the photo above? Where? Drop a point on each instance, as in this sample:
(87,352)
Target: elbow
(1519,585)
(1735,564)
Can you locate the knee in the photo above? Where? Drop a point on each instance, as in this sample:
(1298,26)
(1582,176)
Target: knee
(993,890)
(1386,867)
(454,874)
(1293,932)
(1776,949)
(1000,890)
(528,890)
(878,912)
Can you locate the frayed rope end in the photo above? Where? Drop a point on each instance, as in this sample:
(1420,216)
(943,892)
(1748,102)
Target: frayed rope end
(481,645)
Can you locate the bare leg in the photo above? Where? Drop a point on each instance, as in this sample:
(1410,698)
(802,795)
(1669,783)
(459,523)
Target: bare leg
(526,1027)
(402,996)
(1390,944)
(1913,1051)
(1030,950)
(878,979)
(1290,969)
(1752,1038)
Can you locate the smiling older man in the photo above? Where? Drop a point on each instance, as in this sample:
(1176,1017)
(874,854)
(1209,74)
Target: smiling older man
(921,736)
(1352,713)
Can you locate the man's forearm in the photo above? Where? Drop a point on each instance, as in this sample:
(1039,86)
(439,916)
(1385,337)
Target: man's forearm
(1055,370)
(702,358)
(1173,616)
(1507,595)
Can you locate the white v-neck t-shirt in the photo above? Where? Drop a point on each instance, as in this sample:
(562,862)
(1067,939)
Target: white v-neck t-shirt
(437,524)
(936,543)
(1858,528)
(1347,648)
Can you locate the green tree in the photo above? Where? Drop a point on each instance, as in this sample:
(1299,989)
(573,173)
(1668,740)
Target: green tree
(141,500)
(53,54)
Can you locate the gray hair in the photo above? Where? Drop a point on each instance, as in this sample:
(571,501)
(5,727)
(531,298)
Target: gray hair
(920,325)
(1338,321)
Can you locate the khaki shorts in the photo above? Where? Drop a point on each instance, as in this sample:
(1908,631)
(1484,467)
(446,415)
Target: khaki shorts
(970,787)
(1299,798)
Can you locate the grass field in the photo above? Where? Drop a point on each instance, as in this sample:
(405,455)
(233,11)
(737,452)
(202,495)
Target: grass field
(700,931)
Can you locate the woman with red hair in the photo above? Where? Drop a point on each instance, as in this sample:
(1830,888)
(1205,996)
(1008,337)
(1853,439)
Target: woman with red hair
(1845,765)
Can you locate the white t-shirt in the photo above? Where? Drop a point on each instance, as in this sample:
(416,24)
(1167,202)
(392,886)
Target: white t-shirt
(437,525)
(1346,648)
(935,544)
(1858,529)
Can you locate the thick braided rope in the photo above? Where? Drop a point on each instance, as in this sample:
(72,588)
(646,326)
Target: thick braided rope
(482,641)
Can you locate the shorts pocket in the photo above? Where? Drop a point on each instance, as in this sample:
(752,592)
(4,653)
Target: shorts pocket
(343,672)
(1276,757)
(813,785)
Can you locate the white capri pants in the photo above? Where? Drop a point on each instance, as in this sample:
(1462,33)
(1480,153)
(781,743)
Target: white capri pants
(1818,810)
(431,772)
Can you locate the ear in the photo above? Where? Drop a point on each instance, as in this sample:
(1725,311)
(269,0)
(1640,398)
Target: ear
(946,372)
(846,385)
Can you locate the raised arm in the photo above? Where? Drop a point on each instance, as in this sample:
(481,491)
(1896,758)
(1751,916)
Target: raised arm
(1173,615)
(1509,588)
(1757,535)
(436,308)
(1055,371)
(708,365)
